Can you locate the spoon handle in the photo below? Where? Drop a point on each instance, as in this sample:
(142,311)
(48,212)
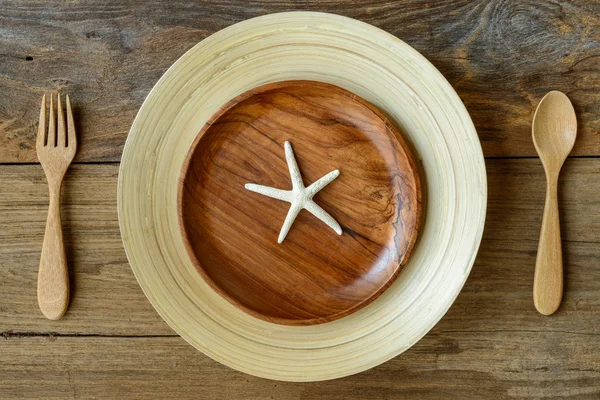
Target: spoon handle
(548,279)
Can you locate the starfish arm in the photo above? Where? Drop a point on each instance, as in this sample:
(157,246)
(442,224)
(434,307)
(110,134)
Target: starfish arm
(323,215)
(293,167)
(278,194)
(321,183)
(289,220)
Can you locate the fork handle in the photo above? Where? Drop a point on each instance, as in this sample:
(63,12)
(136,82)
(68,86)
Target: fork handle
(548,278)
(53,274)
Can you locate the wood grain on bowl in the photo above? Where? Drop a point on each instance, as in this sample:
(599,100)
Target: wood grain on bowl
(314,276)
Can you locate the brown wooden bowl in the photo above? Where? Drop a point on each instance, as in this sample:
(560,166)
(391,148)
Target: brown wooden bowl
(314,276)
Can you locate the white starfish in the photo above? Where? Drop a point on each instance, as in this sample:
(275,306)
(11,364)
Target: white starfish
(300,197)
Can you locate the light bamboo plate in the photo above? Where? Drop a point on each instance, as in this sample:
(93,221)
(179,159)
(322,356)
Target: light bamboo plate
(368,62)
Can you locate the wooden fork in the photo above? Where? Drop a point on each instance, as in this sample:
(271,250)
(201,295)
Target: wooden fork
(55,150)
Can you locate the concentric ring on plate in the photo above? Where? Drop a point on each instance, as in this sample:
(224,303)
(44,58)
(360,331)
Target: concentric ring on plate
(368,62)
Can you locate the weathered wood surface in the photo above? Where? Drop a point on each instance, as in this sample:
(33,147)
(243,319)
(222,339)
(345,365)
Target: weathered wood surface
(501,56)
(491,344)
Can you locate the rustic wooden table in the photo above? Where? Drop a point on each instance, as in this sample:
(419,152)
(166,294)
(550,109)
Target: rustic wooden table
(500,56)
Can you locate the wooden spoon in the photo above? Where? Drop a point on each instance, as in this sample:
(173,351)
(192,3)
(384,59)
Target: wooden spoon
(554,131)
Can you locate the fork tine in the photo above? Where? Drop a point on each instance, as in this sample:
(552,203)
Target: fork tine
(62,135)
(72,137)
(52,124)
(40,141)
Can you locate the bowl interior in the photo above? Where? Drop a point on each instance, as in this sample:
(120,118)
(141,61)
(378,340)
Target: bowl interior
(314,275)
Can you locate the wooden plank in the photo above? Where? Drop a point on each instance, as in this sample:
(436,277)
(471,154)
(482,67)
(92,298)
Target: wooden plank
(108,301)
(445,364)
(501,57)
(105,298)
(499,292)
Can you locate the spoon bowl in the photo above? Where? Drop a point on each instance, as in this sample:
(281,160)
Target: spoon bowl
(554,130)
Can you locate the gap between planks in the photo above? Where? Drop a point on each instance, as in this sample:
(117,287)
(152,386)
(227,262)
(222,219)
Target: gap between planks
(109,162)
(20,335)
(23,335)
